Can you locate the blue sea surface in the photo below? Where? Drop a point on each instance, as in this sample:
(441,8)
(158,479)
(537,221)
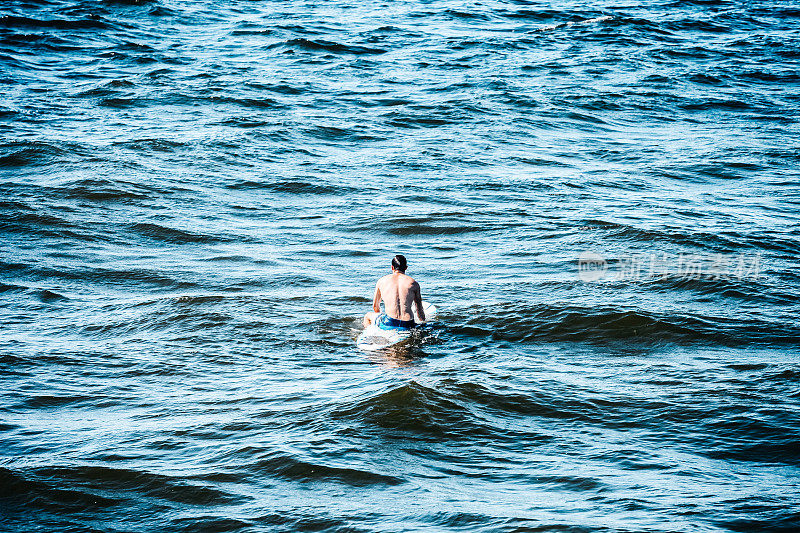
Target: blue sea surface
(602,200)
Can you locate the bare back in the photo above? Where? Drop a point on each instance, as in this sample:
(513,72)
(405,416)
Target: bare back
(398,292)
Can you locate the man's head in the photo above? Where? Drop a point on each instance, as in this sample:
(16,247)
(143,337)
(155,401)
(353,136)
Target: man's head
(399,264)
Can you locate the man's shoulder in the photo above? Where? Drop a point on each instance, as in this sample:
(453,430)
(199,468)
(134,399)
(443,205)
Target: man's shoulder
(411,281)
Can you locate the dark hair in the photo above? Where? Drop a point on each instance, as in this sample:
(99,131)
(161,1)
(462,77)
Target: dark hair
(399,263)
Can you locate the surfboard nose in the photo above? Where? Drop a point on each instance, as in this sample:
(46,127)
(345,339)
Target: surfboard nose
(430,312)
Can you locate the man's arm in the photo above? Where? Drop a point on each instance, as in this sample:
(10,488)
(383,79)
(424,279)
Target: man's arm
(418,301)
(376,301)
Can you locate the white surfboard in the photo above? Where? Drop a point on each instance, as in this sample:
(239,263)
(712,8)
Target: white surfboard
(374,338)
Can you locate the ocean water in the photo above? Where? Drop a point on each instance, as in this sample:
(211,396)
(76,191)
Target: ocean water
(602,199)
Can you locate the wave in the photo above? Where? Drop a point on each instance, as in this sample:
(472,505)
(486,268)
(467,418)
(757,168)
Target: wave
(415,410)
(111,276)
(290,467)
(11,287)
(47,296)
(294,187)
(96,189)
(571,23)
(712,104)
(538,403)
(336,134)
(82,488)
(719,241)
(280,88)
(90,23)
(406,120)
(517,322)
(28,153)
(186,322)
(328,46)
(27,220)
(29,492)
(49,401)
(435,224)
(107,190)
(755,441)
(107,89)
(131,2)
(746,290)
(152,145)
(170,235)
(252,103)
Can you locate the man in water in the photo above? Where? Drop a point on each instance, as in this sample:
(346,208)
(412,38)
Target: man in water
(398,292)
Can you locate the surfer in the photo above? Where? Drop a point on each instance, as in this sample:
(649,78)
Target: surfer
(398,292)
